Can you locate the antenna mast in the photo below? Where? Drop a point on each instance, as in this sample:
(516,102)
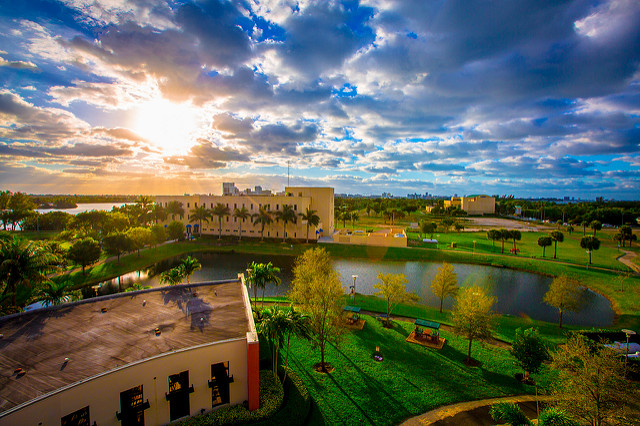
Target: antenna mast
(288,164)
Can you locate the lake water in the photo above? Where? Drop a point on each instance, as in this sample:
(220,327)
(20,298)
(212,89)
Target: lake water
(518,293)
(84,208)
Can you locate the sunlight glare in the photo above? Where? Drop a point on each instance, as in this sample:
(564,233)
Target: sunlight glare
(171,127)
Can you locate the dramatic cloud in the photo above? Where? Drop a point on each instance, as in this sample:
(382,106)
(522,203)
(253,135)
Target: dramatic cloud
(527,98)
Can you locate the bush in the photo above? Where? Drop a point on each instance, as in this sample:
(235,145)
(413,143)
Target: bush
(297,403)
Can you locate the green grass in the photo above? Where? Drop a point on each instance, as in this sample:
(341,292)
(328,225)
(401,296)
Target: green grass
(411,380)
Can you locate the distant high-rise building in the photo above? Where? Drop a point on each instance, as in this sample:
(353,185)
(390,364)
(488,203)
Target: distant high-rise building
(229,188)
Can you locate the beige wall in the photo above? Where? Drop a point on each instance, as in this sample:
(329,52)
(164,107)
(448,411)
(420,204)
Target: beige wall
(478,205)
(384,238)
(102,393)
(301,198)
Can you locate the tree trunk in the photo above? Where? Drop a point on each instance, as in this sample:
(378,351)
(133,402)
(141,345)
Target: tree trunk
(322,366)
(307,232)
(263,295)
(560,323)
(589,257)
(493,243)
(502,246)
(469,352)
(555,249)
(441,301)
(543,248)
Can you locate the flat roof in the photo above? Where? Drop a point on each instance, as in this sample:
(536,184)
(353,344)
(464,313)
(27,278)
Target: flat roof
(96,342)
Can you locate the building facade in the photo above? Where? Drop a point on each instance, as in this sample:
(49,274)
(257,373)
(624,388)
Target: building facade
(299,198)
(473,204)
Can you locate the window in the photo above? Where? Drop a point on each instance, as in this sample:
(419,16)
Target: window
(211,205)
(195,205)
(235,219)
(187,205)
(77,418)
(178,395)
(235,206)
(251,206)
(295,207)
(277,206)
(132,406)
(219,383)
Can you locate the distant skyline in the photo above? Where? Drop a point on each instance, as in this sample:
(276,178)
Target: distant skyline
(524,98)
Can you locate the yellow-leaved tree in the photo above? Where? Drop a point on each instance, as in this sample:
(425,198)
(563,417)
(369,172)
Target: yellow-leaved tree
(393,289)
(445,283)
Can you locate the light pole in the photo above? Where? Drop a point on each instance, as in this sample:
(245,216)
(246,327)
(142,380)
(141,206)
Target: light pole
(353,288)
(628,333)
(474,247)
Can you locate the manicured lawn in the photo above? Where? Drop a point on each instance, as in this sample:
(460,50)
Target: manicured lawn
(411,379)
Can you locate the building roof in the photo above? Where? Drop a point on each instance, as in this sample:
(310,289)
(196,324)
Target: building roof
(96,342)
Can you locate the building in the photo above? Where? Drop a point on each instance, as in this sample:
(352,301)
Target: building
(473,204)
(389,237)
(300,198)
(146,357)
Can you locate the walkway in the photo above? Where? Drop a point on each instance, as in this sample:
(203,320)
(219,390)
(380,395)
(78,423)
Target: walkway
(627,259)
(442,413)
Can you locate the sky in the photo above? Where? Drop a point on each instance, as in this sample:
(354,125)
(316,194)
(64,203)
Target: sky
(524,98)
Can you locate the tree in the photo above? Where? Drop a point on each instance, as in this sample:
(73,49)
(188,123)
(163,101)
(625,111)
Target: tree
(393,289)
(23,264)
(52,293)
(242,214)
(557,237)
(427,228)
(570,229)
(563,295)
(505,235)
(529,350)
(515,235)
(175,230)
(591,384)
(140,238)
(544,242)
(200,214)
(263,217)
(584,225)
(158,213)
(117,243)
(471,315)
(511,414)
(354,216)
(220,210)
(493,235)
(261,274)
(189,265)
(174,208)
(271,323)
(311,217)
(595,225)
(158,234)
(84,252)
(445,283)
(458,227)
(287,214)
(172,276)
(627,234)
(298,325)
(317,287)
(590,244)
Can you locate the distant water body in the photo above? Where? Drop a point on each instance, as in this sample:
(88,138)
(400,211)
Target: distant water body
(85,207)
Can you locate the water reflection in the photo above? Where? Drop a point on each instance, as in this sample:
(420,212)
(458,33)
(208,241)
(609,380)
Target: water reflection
(517,293)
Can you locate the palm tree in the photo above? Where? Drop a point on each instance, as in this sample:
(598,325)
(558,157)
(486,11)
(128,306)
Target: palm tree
(261,274)
(311,217)
(174,208)
(55,294)
(172,276)
(354,216)
(144,204)
(287,214)
(272,324)
(158,213)
(199,214)
(557,237)
(263,217)
(189,265)
(220,210)
(24,263)
(298,325)
(241,214)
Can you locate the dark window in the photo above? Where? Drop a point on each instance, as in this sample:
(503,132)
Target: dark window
(211,205)
(277,205)
(219,383)
(178,395)
(235,206)
(77,418)
(195,205)
(235,219)
(295,207)
(187,205)
(132,406)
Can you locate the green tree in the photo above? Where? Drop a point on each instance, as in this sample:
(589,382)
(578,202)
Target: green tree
(509,413)
(590,244)
(189,265)
(494,235)
(20,207)
(84,252)
(175,230)
(557,237)
(563,295)
(354,216)
(174,208)
(297,324)
(595,225)
(23,264)
(264,218)
(529,350)
(471,315)
(117,243)
(428,228)
(311,217)
(318,289)
(200,214)
(544,242)
(286,215)
(220,210)
(505,235)
(584,225)
(51,293)
(261,274)
(627,234)
(591,384)
(272,324)
(173,276)
(242,214)
(515,235)
(158,213)
(140,238)
(445,283)
(158,234)
(570,229)
(393,289)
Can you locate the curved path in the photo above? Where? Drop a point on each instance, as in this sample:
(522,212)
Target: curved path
(441,413)
(627,259)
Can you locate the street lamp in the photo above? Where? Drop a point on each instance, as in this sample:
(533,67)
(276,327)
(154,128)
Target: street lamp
(628,333)
(353,287)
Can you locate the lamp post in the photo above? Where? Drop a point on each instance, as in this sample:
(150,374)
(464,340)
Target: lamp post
(628,333)
(474,247)
(353,288)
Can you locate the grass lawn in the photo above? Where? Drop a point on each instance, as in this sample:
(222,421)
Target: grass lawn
(410,381)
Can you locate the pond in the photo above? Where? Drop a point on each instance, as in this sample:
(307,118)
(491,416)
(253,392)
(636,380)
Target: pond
(518,293)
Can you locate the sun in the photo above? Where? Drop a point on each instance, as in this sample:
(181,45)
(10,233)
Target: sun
(171,127)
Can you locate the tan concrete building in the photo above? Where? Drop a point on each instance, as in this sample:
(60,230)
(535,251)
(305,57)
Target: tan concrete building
(390,237)
(473,204)
(300,198)
(147,357)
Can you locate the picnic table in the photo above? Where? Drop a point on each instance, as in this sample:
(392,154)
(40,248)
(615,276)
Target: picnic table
(355,313)
(420,333)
